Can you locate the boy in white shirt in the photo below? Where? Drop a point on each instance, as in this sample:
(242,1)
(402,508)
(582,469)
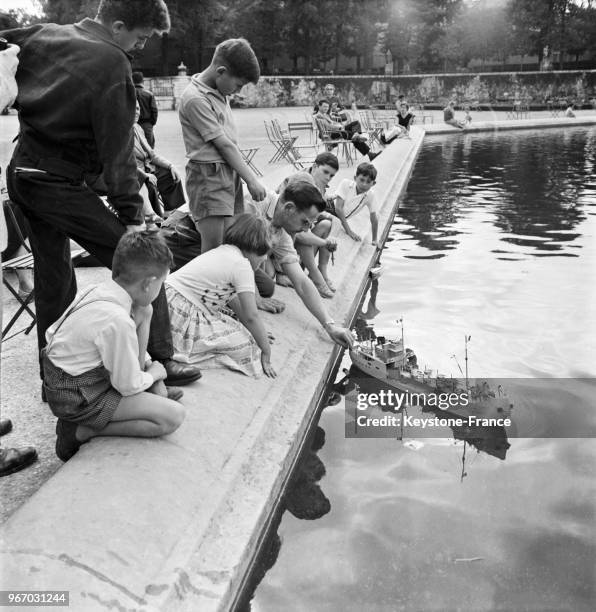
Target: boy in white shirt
(98,378)
(353,196)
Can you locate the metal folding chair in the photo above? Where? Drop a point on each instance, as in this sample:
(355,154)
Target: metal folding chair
(281,144)
(330,141)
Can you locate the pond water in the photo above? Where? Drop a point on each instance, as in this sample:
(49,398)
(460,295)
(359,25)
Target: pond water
(495,238)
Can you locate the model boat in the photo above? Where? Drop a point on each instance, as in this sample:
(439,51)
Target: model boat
(388,361)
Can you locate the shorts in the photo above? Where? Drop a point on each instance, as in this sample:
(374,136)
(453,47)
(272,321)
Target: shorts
(214,190)
(87,399)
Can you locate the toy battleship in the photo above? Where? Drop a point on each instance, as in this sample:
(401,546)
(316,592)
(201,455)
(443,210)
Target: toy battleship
(388,361)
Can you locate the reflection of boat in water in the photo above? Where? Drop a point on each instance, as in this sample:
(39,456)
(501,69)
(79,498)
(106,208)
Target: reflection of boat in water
(388,361)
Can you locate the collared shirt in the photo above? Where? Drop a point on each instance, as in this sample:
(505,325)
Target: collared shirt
(205,114)
(354,202)
(146,158)
(100,332)
(77,103)
(282,250)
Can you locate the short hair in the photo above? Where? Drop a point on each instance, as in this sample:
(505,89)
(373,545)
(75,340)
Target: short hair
(326,159)
(139,255)
(249,233)
(136,13)
(137,77)
(367,169)
(304,194)
(323,101)
(237,56)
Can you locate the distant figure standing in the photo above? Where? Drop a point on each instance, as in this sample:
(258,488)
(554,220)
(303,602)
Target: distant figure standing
(148,107)
(449,116)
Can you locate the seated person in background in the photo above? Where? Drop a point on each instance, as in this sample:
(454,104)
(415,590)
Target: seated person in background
(402,129)
(293,211)
(220,278)
(337,130)
(15,247)
(569,112)
(98,378)
(353,196)
(449,116)
(157,174)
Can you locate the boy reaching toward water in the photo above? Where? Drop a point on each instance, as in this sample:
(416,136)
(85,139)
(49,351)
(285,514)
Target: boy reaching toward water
(354,196)
(215,164)
(98,378)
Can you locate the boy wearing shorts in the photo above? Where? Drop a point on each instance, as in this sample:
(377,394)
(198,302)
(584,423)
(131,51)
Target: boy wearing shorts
(98,378)
(215,164)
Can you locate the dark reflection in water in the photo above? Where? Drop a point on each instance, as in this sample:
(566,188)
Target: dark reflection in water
(533,187)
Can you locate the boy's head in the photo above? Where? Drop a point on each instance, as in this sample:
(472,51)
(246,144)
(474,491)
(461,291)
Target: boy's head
(250,234)
(137,77)
(132,22)
(366,175)
(300,203)
(329,90)
(324,168)
(323,106)
(235,65)
(140,265)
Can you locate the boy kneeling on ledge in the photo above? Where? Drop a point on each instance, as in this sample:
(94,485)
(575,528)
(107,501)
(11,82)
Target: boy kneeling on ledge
(98,377)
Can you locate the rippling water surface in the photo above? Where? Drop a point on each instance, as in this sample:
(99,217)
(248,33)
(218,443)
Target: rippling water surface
(495,238)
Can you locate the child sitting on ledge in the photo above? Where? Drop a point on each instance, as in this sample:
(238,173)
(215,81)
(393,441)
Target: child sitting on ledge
(220,278)
(98,378)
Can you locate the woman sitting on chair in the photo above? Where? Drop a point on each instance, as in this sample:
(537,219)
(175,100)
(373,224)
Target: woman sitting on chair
(157,175)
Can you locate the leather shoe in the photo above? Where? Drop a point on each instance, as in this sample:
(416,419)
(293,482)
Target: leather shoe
(67,444)
(5,426)
(14,459)
(180,374)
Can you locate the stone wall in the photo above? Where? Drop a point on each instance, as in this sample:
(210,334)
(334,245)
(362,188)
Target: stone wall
(437,89)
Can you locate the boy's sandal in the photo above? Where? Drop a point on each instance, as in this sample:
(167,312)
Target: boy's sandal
(175,393)
(283,280)
(330,285)
(323,290)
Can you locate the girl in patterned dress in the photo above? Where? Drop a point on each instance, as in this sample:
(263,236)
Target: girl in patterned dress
(218,279)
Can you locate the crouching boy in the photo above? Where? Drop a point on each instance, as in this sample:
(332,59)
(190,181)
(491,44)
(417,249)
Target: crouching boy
(98,378)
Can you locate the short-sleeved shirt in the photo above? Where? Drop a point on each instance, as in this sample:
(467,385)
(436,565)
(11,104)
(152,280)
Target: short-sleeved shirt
(282,250)
(205,114)
(355,202)
(214,277)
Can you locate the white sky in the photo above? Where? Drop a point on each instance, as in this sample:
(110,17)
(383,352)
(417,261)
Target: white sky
(29,5)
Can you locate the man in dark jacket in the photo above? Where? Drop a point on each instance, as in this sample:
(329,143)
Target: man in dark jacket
(76,112)
(148,106)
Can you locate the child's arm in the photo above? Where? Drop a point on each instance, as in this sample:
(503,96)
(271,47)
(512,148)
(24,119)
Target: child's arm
(339,211)
(310,239)
(245,306)
(374,224)
(230,152)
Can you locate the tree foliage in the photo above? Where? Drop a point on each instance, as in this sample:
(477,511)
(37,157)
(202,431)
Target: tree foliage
(313,35)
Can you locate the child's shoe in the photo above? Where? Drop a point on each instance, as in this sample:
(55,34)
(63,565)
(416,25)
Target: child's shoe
(67,444)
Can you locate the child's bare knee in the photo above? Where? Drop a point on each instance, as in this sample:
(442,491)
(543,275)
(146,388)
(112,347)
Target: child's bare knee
(172,418)
(323,228)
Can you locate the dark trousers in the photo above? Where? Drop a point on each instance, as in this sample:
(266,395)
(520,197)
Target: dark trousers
(184,240)
(148,129)
(171,191)
(359,145)
(57,209)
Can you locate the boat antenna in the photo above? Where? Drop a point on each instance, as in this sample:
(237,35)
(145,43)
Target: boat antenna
(403,346)
(456,361)
(467,339)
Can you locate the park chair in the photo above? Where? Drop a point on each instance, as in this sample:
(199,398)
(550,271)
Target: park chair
(22,262)
(281,143)
(330,141)
(294,153)
(421,115)
(305,127)
(374,130)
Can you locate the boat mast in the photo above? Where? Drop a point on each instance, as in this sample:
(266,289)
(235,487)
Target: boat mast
(403,346)
(467,339)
